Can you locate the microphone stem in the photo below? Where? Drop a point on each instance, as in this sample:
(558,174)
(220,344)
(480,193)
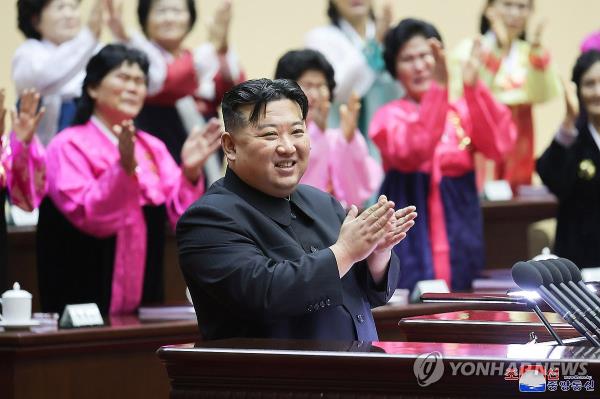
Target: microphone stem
(547,324)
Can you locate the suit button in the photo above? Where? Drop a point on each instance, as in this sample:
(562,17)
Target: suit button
(309,308)
(328,302)
(293,215)
(313,249)
(322,304)
(360,318)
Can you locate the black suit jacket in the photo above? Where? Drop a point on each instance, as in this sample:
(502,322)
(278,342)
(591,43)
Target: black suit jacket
(251,274)
(578,219)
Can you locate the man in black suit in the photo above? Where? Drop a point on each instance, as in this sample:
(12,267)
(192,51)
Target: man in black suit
(266,257)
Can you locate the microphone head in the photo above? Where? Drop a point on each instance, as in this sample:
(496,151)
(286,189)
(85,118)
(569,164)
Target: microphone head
(543,270)
(526,276)
(554,271)
(564,270)
(575,272)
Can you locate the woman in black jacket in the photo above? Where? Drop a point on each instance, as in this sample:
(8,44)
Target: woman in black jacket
(570,166)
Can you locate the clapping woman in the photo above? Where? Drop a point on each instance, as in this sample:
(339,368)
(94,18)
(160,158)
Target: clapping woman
(200,76)
(110,188)
(519,74)
(352,43)
(21,164)
(570,166)
(427,145)
(52,60)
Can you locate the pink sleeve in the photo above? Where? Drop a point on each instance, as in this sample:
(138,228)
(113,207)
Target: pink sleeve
(27,173)
(179,191)
(356,175)
(407,136)
(99,205)
(493,131)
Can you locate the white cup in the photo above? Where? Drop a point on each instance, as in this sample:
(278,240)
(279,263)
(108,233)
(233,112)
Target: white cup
(16,305)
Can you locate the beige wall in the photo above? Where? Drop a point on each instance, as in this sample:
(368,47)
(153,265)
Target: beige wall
(263,29)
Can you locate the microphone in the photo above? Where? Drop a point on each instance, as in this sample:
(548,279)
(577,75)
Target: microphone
(528,277)
(548,282)
(576,275)
(577,303)
(577,292)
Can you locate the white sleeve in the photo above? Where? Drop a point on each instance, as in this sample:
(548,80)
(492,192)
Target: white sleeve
(157,72)
(351,70)
(49,69)
(206,61)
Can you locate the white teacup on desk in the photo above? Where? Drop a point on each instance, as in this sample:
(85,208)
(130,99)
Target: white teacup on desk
(16,306)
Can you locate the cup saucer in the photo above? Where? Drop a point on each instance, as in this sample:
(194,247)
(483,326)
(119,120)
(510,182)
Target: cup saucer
(19,324)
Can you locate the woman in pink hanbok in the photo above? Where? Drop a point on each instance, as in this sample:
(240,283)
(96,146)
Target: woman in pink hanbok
(110,189)
(21,165)
(339,157)
(427,145)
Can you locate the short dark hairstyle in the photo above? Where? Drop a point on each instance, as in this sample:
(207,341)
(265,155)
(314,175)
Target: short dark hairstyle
(27,11)
(258,92)
(106,60)
(484,23)
(397,37)
(584,62)
(335,16)
(143,10)
(293,64)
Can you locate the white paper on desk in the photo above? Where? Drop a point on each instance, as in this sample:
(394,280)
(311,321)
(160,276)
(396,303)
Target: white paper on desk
(497,190)
(590,274)
(23,218)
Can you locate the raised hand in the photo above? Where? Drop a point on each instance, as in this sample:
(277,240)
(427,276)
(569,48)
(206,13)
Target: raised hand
(402,221)
(384,21)
(198,147)
(218,27)
(126,134)
(2,113)
(95,19)
(114,19)
(25,121)
(498,27)
(349,116)
(571,106)
(361,234)
(471,67)
(440,70)
(536,38)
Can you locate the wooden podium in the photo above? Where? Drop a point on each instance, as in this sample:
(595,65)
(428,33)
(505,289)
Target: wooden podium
(296,369)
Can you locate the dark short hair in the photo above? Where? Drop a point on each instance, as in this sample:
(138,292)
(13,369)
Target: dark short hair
(144,7)
(106,60)
(258,92)
(399,35)
(334,14)
(484,23)
(293,64)
(27,11)
(583,63)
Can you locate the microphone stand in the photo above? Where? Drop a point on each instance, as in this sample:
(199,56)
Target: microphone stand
(533,306)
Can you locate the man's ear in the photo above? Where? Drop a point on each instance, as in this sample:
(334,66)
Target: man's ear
(228,144)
